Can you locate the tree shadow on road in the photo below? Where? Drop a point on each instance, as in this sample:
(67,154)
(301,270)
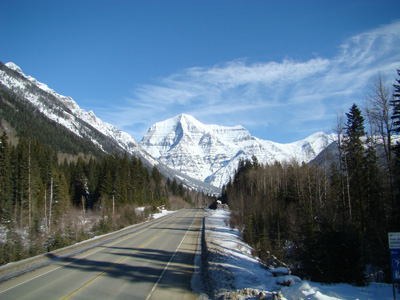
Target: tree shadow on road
(136,265)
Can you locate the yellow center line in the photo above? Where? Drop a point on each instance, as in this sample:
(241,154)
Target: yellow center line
(116,263)
(90,252)
(168,264)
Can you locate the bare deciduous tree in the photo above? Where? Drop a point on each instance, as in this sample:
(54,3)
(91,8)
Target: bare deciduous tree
(378,111)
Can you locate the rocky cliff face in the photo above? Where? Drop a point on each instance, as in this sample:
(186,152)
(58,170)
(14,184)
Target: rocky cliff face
(66,112)
(211,153)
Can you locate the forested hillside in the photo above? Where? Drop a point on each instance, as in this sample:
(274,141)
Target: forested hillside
(329,223)
(25,120)
(47,202)
(29,108)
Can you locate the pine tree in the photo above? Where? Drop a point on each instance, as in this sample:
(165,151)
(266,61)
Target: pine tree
(174,187)
(354,148)
(122,178)
(156,175)
(5,179)
(396,105)
(61,195)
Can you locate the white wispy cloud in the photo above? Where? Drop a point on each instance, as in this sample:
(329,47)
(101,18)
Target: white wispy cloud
(288,95)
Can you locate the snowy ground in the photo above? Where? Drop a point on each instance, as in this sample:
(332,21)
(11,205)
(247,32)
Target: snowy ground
(234,274)
(161,214)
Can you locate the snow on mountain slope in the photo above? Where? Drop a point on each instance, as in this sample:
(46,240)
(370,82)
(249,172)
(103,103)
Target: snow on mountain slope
(64,110)
(211,153)
(179,146)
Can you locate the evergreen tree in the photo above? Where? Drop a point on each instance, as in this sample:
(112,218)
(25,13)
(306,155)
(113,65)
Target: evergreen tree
(396,105)
(174,187)
(61,196)
(5,180)
(156,175)
(122,178)
(354,148)
(106,189)
(79,187)
(93,182)
(22,180)
(181,190)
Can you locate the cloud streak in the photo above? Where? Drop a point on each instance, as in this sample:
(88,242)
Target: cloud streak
(290,96)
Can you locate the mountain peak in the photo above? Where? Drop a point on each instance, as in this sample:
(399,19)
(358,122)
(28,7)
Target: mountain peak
(185,119)
(14,67)
(66,112)
(185,116)
(211,153)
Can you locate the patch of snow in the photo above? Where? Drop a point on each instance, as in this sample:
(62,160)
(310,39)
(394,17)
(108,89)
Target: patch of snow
(280,271)
(14,67)
(140,209)
(288,280)
(236,274)
(162,214)
(231,266)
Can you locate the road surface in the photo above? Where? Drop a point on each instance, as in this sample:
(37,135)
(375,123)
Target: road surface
(152,263)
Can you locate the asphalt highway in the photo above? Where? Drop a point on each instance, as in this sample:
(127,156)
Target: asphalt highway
(156,262)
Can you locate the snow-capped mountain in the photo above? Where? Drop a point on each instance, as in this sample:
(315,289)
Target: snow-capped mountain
(66,112)
(211,153)
(201,156)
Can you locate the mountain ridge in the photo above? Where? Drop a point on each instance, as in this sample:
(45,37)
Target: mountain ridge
(69,114)
(66,112)
(183,147)
(211,153)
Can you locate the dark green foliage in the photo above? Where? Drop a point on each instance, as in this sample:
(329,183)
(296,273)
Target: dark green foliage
(332,255)
(174,187)
(354,151)
(56,241)
(12,248)
(49,200)
(156,176)
(327,229)
(396,105)
(55,203)
(284,216)
(103,226)
(5,179)
(28,121)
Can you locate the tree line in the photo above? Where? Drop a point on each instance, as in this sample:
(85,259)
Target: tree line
(329,222)
(26,120)
(46,204)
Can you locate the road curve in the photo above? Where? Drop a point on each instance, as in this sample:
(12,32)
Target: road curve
(155,262)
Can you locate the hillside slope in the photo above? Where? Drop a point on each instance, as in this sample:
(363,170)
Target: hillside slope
(59,121)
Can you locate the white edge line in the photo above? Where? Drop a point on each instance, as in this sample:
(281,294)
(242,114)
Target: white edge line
(101,248)
(166,267)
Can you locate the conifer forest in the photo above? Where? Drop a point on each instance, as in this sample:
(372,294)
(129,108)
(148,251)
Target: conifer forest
(47,204)
(329,220)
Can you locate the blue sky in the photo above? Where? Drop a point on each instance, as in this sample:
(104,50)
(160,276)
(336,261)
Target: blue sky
(282,69)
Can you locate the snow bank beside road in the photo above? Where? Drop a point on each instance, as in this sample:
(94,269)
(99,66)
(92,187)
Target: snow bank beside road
(232,272)
(231,266)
